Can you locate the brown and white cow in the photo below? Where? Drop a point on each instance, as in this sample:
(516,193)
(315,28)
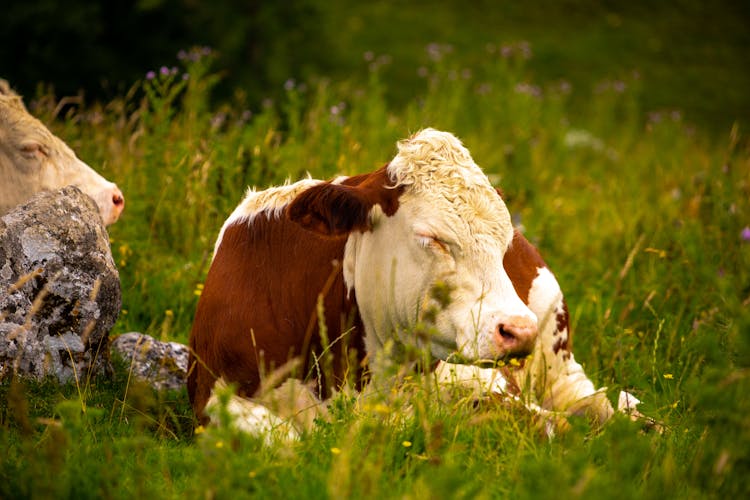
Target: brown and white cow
(32,159)
(373,249)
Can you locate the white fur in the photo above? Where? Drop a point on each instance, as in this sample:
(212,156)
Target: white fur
(248,416)
(451,227)
(32,159)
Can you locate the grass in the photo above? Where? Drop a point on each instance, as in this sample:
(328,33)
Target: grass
(640,215)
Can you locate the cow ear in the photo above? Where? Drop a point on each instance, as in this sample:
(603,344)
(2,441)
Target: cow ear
(5,88)
(331,209)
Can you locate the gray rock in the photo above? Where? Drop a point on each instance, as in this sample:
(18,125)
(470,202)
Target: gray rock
(59,288)
(163,365)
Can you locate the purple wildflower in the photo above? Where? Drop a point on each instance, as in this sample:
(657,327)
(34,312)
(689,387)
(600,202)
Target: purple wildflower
(745,234)
(484,88)
(506,51)
(436,51)
(521,49)
(524,48)
(150,75)
(654,117)
(164,71)
(433,51)
(337,109)
(218,120)
(528,89)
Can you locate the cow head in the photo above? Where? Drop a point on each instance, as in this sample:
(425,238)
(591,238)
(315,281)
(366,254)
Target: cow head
(33,159)
(428,219)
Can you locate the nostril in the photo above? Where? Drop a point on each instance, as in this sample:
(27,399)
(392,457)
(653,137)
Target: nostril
(117,199)
(501,330)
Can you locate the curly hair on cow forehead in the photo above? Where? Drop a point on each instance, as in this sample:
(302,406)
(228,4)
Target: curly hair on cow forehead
(435,158)
(435,164)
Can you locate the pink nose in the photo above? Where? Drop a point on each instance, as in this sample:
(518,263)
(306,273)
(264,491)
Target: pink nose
(516,336)
(118,200)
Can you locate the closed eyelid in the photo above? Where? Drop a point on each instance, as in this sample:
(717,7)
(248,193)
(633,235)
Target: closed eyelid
(432,240)
(32,147)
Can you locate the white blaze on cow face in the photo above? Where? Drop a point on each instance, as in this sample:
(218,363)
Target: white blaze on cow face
(451,229)
(32,159)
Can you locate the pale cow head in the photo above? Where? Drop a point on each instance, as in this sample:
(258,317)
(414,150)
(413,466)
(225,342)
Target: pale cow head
(430,219)
(32,159)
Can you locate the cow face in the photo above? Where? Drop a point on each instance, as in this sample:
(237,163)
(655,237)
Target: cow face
(32,159)
(429,221)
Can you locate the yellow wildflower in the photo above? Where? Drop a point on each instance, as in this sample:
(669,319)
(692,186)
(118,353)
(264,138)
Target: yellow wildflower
(381,408)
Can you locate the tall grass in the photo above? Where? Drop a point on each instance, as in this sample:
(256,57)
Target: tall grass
(640,216)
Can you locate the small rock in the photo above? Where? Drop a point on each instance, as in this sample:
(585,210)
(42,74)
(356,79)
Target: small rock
(163,365)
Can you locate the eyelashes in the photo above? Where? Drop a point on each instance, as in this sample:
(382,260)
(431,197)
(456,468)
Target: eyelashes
(432,242)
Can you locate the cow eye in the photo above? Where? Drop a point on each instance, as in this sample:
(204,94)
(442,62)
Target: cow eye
(33,149)
(430,241)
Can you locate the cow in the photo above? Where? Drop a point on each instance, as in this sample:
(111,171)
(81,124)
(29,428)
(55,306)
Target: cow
(32,159)
(417,256)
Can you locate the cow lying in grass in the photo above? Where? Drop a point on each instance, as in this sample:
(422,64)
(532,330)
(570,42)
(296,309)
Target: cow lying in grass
(32,159)
(418,256)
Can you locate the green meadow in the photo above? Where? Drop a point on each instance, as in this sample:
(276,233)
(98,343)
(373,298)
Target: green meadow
(642,213)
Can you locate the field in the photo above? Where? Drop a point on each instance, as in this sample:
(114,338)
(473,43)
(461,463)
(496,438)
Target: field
(642,215)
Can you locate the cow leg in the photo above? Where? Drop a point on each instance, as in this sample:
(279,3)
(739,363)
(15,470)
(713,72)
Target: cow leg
(557,381)
(281,413)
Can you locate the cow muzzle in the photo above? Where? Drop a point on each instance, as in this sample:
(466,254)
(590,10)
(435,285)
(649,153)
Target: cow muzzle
(515,336)
(111,203)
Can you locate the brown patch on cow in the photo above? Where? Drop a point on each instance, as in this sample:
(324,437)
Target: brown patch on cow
(338,209)
(561,322)
(259,309)
(560,343)
(563,325)
(522,262)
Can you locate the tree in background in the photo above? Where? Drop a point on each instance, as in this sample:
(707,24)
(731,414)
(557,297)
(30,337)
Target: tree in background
(103,47)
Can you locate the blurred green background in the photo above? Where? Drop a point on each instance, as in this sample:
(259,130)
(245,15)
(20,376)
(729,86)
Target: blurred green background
(618,132)
(690,55)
